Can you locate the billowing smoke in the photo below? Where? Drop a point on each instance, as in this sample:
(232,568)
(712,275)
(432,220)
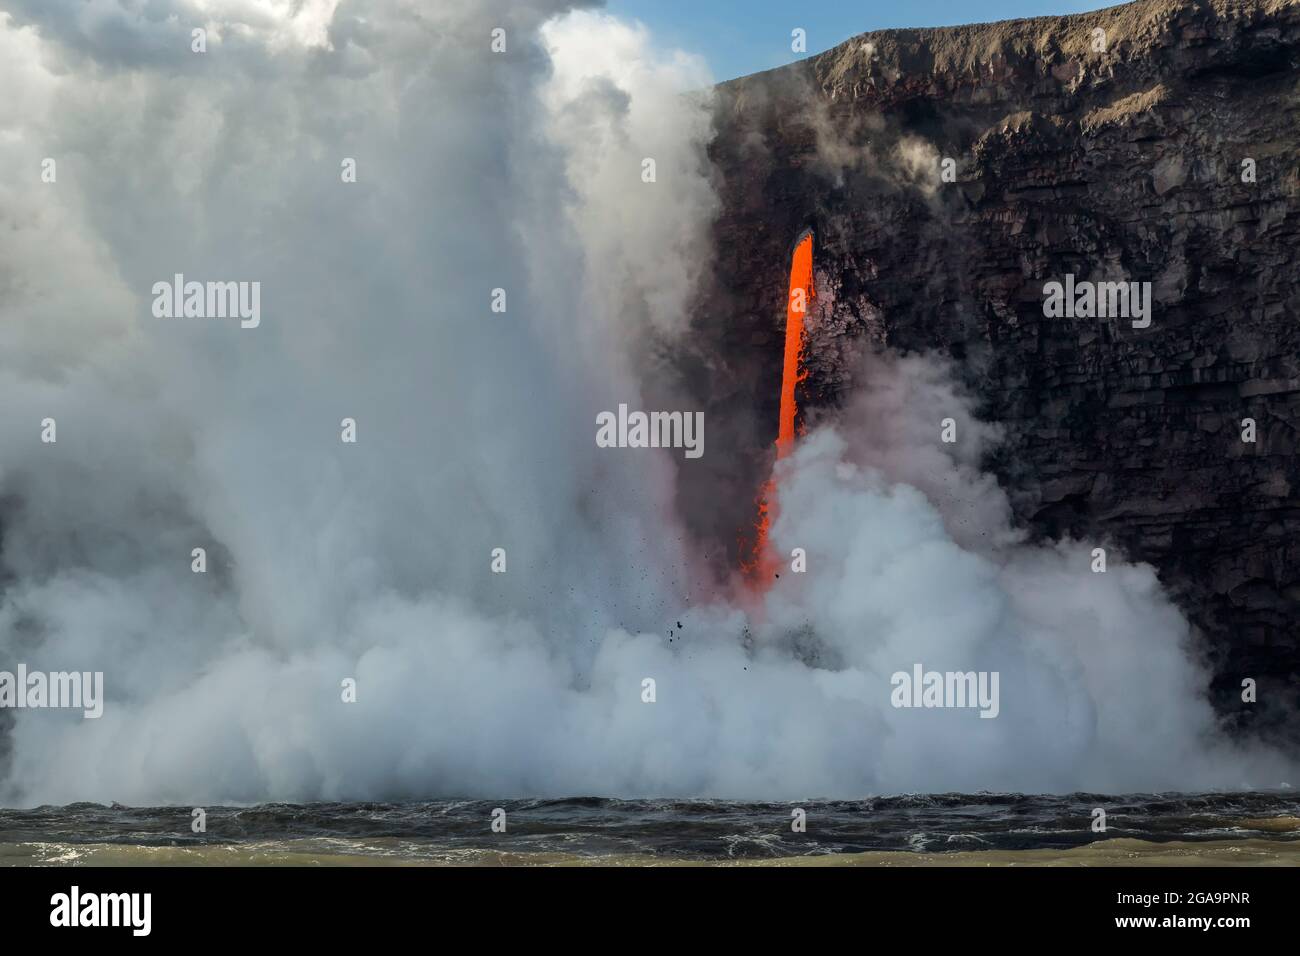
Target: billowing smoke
(1098,685)
(476,170)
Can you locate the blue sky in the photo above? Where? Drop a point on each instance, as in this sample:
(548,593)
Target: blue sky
(745,36)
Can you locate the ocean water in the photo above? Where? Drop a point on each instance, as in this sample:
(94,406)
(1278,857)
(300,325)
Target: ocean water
(922,829)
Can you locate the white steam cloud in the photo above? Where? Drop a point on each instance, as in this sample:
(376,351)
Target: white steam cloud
(475,171)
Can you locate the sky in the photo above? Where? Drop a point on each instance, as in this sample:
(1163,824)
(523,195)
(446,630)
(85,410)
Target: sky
(738,37)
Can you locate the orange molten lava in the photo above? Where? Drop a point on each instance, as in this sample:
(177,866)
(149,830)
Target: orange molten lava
(793,372)
(761,568)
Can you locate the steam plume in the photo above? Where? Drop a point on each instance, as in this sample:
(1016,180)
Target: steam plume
(476,171)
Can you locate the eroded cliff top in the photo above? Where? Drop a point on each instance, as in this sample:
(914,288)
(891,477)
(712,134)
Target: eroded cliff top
(1231,35)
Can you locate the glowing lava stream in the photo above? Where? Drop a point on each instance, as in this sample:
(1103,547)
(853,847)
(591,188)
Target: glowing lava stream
(793,372)
(762,568)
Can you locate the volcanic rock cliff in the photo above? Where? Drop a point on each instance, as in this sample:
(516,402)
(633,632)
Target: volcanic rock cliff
(1123,154)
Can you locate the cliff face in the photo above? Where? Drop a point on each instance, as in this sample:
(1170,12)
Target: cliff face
(1122,163)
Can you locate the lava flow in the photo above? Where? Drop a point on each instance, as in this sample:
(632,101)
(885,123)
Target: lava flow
(762,565)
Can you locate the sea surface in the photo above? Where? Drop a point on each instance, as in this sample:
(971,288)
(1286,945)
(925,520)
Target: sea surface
(910,830)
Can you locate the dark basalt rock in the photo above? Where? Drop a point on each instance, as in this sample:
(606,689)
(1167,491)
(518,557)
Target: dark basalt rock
(1118,164)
